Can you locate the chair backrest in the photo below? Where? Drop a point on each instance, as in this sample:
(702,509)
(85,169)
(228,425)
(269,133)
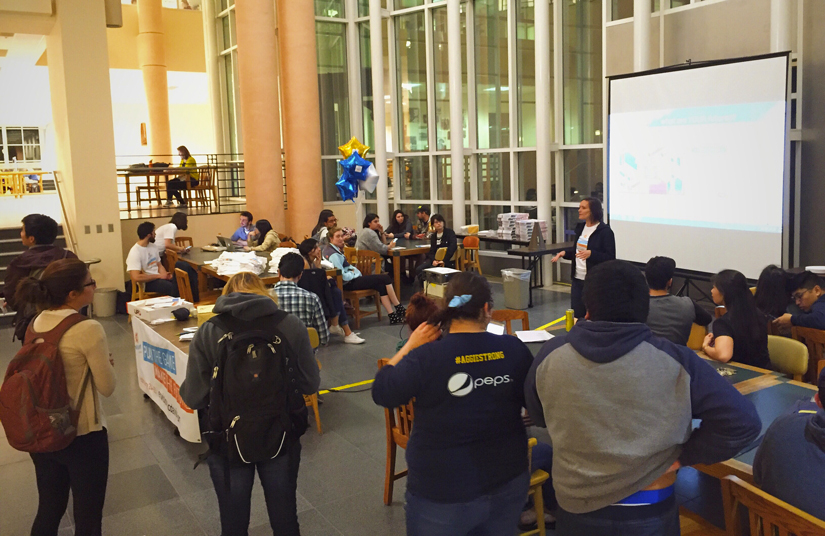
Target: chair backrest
(288,244)
(314,340)
(138,290)
(814,339)
(368,262)
(820,367)
(184,288)
(399,419)
(470,242)
(184,241)
(171,260)
(205,177)
(508,315)
(788,356)
(767,514)
(440,253)
(697,337)
(349,254)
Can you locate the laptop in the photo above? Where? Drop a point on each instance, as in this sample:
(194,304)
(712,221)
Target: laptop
(226,242)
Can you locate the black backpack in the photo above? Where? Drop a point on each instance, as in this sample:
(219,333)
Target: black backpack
(248,419)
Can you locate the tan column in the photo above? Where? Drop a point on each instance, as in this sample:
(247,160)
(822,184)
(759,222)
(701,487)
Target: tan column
(84,134)
(260,117)
(302,114)
(152,60)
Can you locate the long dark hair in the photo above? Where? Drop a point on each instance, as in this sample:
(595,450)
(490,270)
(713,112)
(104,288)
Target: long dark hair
(772,293)
(263,227)
(306,248)
(395,227)
(57,281)
(368,219)
(322,220)
(181,220)
(464,283)
(596,210)
(740,304)
(185,151)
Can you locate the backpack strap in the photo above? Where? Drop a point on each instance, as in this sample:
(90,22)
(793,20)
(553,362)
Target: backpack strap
(54,335)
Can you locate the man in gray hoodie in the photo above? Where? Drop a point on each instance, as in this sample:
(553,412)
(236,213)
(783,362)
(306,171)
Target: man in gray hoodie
(618,403)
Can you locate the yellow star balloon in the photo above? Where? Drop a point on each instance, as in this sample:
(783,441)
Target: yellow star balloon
(354,145)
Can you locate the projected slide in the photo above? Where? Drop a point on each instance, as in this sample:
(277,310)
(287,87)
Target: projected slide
(696,166)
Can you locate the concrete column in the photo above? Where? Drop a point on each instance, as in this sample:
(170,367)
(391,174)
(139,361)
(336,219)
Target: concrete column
(302,114)
(152,60)
(210,39)
(641,35)
(84,134)
(781,13)
(544,122)
(456,111)
(260,116)
(379,115)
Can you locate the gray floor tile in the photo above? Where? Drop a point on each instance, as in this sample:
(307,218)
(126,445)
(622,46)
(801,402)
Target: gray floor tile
(365,513)
(170,517)
(130,490)
(129,454)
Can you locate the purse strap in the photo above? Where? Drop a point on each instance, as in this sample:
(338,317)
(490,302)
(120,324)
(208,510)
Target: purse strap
(87,376)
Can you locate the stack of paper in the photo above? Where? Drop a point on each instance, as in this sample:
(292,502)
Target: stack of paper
(507,224)
(276,257)
(232,262)
(524,229)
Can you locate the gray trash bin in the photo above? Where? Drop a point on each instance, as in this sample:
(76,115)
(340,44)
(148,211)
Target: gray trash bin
(516,288)
(104,302)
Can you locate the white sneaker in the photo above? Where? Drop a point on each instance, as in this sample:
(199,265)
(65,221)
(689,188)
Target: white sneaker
(336,330)
(352,338)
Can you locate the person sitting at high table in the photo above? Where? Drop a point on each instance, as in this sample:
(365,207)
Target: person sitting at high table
(740,335)
(267,238)
(165,239)
(595,244)
(400,226)
(670,317)
(810,297)
(619,435)
(372,236)
(326,288)
(293,299)
(425,227)
(442,237)
(174,186)
(353,280)
(144,266)
(790,462)
(241,236)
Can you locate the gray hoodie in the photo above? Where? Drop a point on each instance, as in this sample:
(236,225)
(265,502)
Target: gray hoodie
(203,352)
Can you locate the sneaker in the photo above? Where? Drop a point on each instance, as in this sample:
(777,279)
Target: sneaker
(336,330)
(182,205)
(352,338)
(396,318)
(169,203)
(400,309)
(529,520)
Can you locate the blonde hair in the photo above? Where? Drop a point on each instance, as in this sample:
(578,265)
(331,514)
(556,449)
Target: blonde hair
(249,283)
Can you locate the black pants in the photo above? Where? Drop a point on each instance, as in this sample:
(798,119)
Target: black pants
(163,287)
(377,282)
(174,186)
(83,468)
(193,280)
(576,299)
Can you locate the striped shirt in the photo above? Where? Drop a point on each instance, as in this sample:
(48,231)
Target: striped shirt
(303,304)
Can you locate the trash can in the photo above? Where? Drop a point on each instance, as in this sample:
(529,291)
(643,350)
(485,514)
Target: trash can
(104,302)
(516,288)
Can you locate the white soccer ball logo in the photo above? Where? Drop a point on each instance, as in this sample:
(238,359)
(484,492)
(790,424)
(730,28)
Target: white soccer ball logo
(460,384)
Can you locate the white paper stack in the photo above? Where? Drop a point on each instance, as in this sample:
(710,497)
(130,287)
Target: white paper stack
(525,228)
(507,224)
(232,262)
(276,257)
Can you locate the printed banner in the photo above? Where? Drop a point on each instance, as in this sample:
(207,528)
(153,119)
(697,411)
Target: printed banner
(161,368)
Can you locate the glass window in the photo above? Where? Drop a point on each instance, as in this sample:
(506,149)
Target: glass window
(677,3)
(583,174)
(15,136)
(415,177)
(401,4)
(330,172)
(582,71)
(230,103)
(363,8)
(444,178)
(487,215)
(329,8)
(492,91)
(465,83)
(374,194)
(367,101)
(494,177)
(442,79)
(447,212)
(571,219)
(227,38)
(412,82)
(621,9)
(332,84)
(527,176)
(526,73)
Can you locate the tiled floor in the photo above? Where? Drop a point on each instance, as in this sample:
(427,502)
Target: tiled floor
(153,489)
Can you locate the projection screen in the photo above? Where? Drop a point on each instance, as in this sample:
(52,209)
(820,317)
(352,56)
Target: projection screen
(696,164)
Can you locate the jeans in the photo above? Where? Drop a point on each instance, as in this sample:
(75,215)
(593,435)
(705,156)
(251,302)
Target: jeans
(338,301)
(163,286)
(193,279)
(174,186)
(496,514)
(83,468)
(279,478)
(661,519)
(542,458)
(576,298)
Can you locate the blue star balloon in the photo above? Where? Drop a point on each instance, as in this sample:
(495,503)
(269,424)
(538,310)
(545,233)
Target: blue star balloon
(355,166)
(347,187)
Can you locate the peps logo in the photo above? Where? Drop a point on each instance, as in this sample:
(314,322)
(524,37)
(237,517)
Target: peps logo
(462,384)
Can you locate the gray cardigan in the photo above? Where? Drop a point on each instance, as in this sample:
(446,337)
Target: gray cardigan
(368,239)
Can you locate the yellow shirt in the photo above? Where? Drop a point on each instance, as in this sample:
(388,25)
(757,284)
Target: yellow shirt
(190,162)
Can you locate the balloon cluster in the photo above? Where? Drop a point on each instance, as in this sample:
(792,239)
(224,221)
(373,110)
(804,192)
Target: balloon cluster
(355,170)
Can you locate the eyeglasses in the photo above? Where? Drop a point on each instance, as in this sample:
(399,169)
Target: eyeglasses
(798,295)
(91,283)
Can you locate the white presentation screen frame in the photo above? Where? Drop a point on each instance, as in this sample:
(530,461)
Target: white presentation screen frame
(697,166)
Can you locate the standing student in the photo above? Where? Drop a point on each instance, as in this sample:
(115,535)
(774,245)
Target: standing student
(174,186)
(595,244)
(467,454)
(242,235)
(144,266)
(165,239)
(65,287)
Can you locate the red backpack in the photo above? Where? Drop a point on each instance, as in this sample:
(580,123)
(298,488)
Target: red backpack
(35,407)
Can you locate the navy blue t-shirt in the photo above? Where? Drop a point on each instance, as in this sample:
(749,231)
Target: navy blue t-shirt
(468,438)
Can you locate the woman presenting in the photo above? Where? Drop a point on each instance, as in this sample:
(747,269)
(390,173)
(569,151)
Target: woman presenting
(595,244)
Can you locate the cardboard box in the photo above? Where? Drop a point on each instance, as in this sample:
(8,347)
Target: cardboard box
(205,313)
(157,308)
(436,280)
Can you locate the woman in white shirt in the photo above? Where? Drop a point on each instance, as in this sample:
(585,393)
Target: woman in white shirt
(65,287)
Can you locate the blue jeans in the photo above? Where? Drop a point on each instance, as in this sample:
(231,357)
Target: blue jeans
(542,458)
(496,514)
(661,519)
(279,478)
(338,300)
(163,286)
(193,279)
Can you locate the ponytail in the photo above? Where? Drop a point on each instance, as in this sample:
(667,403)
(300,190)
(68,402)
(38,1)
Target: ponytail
(52,289)
(465,297)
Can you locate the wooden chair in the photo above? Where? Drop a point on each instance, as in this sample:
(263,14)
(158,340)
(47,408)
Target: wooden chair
(440,253)
(398,424)
(200,194)
(185,289)
(152,186)
(767,514)
(312,400)
(788,356)
(697,337)
(820,367)
(508,315)
(184,241)
(537,478)
(171,261)
(288,244)
(368,263)
(471,259)
(139,293)
(349,254)
(814,339)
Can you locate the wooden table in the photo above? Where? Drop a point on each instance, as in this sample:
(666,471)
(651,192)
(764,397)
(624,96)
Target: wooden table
(171,332)
(411,248)
(531,259)
(156,172)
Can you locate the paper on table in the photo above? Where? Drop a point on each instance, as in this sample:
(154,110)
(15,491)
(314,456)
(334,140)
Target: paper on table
(442,270)
(187,337)
(533,336)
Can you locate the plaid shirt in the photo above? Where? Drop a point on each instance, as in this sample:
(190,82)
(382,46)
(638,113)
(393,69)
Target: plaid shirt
(303,304)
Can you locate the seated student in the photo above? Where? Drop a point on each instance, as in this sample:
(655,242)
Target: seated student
(372,237)
(400,227)
(773,292)
(293,299)
(442,237)
(326,288)
(174,186)
(165,239)
(353,280)
(420,309)
(327,221)
(266,238)
(425,227)
(670,317)
(241,236)
(740,335)
(810,297)
(144,266)
(790,462)
(620,436)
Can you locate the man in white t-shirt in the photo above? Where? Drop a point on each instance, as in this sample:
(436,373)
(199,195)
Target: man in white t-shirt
(144,266)
(165,240)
